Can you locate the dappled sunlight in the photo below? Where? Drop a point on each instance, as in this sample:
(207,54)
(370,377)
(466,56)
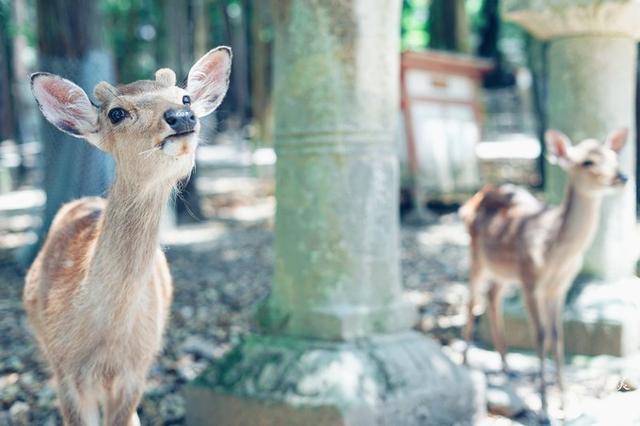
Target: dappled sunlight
(428,155)
(343,378)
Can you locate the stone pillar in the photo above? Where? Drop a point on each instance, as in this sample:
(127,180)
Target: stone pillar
(591,91)
(336,85)
(335,346)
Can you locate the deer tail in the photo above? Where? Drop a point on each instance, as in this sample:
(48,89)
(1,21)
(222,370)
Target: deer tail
(469,210)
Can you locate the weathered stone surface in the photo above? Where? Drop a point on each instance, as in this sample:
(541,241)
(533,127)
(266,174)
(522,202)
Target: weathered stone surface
(401,379)
(336,97)
(548,19)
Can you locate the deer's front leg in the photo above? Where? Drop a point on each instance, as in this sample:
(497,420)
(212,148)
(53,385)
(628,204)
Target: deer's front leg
(78,407)
(533,307)
(555,306)
(121,404)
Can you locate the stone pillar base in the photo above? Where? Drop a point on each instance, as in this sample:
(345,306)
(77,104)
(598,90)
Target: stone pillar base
(602,319)
(399,379)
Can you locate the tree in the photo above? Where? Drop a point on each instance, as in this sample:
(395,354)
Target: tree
(70,45)
(261,70)
(489,35)
(181,29)
(7,110)
(448,26)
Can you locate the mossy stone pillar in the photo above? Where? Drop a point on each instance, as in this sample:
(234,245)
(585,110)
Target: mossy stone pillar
(592,63)
(334,345)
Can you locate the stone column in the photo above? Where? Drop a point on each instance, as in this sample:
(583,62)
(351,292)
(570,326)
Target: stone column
(334,346)
(591,91)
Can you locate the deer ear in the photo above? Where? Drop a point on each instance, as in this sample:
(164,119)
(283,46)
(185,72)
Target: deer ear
(65,105)
(617,139)
(558,146)
(208,80)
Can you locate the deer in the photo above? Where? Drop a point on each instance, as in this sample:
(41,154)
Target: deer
(517,238)
(98,294)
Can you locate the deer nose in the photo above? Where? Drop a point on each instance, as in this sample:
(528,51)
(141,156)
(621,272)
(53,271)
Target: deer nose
(621,178)
(181,120)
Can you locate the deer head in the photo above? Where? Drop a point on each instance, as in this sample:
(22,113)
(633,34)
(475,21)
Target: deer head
(592,167)
(150,127)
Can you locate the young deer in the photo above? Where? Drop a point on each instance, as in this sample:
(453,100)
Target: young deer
(99,291)
(514,237)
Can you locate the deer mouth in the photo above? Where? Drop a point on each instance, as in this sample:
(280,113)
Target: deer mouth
(179,144)
(179,135)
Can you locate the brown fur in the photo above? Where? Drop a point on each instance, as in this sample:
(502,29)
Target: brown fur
(99,291)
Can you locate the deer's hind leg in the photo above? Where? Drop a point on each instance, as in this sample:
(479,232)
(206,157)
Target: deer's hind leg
(476,281)
(496,321)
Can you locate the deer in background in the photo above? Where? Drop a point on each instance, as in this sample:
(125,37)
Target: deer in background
(516,238)
(98,293)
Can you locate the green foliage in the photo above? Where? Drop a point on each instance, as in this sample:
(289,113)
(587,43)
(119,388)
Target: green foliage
(473,8)
(8,27)
(413,29)
(415,17)
(133,27)
(5,15)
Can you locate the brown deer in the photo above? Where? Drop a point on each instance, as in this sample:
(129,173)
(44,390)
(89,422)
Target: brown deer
(516,238)
(98,293)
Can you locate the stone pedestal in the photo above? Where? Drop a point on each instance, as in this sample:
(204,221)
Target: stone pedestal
(400,379)
(334,346)
(591,91)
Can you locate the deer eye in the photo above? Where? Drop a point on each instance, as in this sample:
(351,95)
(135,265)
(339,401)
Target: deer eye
(116,115)
(587,163)
(186,100)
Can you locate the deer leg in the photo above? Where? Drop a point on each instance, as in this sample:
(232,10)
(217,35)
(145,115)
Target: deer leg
(557,341)
(496,292)
(474,284)
(78,408)
(533,307)
(121,407)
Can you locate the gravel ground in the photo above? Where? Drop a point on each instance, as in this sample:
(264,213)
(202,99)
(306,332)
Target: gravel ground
(222,270)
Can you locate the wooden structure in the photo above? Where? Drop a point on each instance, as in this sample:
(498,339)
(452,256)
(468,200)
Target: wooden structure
(440,100)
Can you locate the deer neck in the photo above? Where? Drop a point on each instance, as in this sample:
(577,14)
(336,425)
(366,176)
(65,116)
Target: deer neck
(579,217)
(126,247)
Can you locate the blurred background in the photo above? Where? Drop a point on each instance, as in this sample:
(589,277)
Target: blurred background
(479,121)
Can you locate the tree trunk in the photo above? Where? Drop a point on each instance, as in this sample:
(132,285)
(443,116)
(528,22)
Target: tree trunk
(537,60)
(261,27)
(448,26)
(70,45)
(239,90)
(7,130)
(637,141)
(182,24)
(489,34)
(26,115)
